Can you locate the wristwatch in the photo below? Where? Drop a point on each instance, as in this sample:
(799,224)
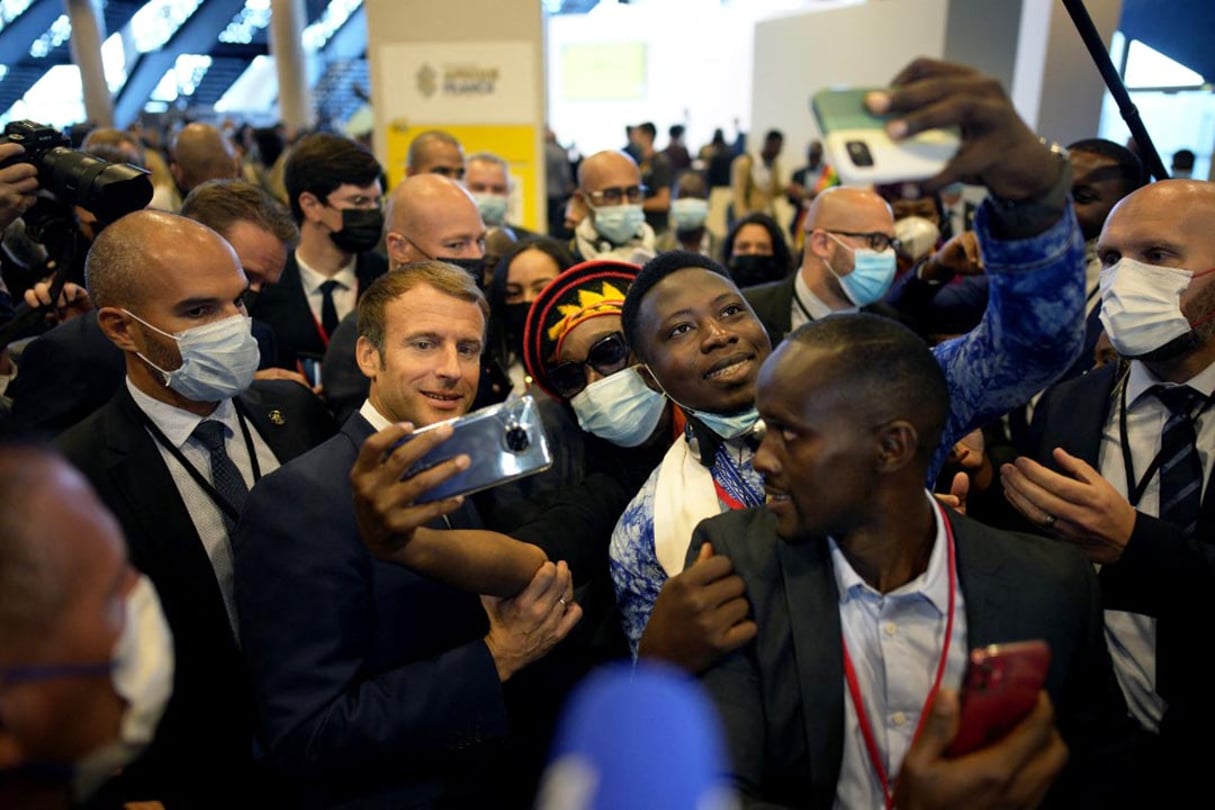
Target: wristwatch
(1019,219)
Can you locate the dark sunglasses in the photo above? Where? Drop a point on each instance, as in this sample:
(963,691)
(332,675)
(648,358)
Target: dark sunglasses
(607,355)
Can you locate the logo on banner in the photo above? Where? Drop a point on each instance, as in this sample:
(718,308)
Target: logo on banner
(427,80)
(457,80)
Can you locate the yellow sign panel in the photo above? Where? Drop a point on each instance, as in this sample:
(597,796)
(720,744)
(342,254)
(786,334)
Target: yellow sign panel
(514,143)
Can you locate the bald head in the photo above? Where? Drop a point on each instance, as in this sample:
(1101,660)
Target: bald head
(608,169)
(435,152)
(201,153)
(849,209)
(137,253)
(433,217)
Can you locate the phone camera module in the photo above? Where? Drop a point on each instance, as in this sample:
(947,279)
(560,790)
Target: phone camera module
(517,439)
(858,152)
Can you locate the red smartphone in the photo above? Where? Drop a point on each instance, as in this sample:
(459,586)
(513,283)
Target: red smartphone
(1000,689)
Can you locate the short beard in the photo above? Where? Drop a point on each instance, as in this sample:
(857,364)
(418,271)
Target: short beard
(1175,348)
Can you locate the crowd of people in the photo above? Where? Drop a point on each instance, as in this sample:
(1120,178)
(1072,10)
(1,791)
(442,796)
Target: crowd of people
(802,466)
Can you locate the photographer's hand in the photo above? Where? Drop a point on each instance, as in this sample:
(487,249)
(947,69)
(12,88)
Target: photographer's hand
(73,300)
(18,184)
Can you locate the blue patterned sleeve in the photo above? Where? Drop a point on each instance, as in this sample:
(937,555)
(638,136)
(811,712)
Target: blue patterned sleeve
(1032,331)
(636,572)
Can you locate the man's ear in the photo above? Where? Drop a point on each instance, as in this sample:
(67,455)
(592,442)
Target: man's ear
(398,249)
(368,357)
(818,243)
(311,206)
(648,378)
(897,444)
(119,327)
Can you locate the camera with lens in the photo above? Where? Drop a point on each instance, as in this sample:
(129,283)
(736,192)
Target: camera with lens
(107,190)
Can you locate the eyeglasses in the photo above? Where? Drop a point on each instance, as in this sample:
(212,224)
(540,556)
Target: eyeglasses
(607,355)
(875,241)
(614,196)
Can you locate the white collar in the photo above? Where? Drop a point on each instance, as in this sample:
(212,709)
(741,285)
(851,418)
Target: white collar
(1140,381)
(817,307)
(311,279)
(178,424)
(932,584)
(372,414)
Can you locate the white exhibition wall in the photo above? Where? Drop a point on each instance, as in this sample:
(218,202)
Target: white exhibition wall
(863,45)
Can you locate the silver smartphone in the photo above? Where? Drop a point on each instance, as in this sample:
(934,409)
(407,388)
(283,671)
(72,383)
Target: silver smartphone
(504,442)
(856,143)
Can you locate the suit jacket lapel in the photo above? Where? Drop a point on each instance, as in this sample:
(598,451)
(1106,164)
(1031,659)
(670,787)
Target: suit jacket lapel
(991,603)
(814,622)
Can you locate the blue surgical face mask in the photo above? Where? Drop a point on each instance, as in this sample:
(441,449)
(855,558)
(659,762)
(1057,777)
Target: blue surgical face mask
(726,426)
(618,223)
(872,273)
(492,208)
(689,213)
(218,359)
(620,408)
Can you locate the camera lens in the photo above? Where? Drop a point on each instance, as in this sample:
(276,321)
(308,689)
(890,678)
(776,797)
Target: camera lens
(516,438)
(858,152)
(107,190)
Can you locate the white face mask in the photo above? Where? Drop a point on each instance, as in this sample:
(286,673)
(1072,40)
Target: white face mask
(143,677)
(1141,305)
(620,408)
(218,359)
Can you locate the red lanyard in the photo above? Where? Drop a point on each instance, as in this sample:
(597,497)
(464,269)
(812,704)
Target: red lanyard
(728,499)
(854,687)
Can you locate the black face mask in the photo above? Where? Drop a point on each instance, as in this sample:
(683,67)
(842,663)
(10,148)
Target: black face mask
(361,230)
(516,320)
(471,266)
(753,269)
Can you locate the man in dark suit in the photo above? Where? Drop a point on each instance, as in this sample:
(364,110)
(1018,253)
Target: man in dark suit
(172,455)
(378,686)
(333,187)
(74,369)
(857,576)
(840,222)
(1124,458)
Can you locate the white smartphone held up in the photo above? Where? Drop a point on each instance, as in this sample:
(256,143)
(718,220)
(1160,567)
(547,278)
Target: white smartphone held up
(856,143)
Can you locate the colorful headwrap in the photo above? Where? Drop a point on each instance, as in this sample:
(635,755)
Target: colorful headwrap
(585,291)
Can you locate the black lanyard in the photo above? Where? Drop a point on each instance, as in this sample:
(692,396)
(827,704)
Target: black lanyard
(797,299)
(1134,491)
(219,500)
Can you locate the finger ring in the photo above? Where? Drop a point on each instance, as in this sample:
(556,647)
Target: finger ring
(1048,521)
(563,602)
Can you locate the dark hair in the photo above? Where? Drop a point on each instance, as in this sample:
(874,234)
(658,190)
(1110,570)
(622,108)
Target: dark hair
(1183,159)
(220,204)
(654,271)
(719,137)
(1130,167)
(649,129)
(887,370)
(780,248)
(319,164)
(497,342)
(676,131)
(774,135)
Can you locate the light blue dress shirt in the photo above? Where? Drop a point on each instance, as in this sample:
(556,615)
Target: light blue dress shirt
(895,642)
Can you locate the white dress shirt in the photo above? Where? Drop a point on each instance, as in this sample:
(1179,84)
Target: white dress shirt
(895,642)
(1131,636)
(816,306)
(177,425)
(345,294)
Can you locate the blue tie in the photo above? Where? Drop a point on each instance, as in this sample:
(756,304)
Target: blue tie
(1180,467)
(225,476)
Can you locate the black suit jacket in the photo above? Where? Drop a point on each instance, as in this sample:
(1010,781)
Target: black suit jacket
(781,697)
(285,307)
(373,685)
(773,305)
(74,369)
(1160,573)
(204,744)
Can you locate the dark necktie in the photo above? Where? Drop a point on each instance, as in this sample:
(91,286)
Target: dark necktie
(1180,467)
(225,476)
(329,316)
